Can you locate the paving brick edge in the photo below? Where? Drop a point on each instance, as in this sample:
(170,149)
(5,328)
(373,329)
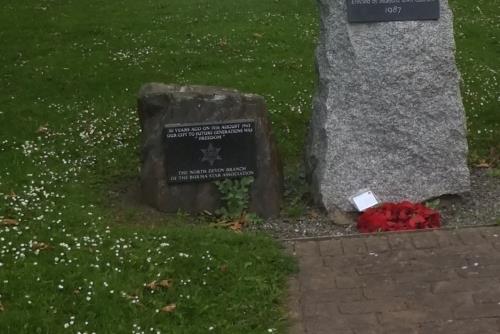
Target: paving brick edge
(379,234)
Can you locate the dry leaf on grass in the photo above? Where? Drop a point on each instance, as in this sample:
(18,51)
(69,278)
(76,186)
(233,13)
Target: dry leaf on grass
(227,224)
(42,129)
(169,308)
(155,285)
(151,286)
(483,164)
(9,222)
(40,246)
(1,308)
(235,224)
(236,227)
(166,283)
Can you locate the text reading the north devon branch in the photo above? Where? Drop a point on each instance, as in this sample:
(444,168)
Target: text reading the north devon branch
(392,10)
(205,152)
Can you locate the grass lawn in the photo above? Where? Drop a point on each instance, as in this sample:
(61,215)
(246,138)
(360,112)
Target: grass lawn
(69,72)
(477,36)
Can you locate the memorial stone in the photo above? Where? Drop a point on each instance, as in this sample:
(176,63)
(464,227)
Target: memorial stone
(194,135)
(387,114)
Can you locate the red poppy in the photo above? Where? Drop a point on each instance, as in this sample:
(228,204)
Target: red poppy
(397,217)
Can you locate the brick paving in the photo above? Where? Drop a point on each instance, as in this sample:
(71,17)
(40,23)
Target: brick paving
(442,281)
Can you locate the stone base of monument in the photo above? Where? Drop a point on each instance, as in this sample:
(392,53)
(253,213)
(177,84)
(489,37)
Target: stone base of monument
(388,114)
(195,135)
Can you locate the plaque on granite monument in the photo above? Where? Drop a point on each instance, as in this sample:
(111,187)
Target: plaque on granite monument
(209,151)
(392,10)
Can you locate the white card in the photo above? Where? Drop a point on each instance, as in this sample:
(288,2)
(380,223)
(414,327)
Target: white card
(364,200)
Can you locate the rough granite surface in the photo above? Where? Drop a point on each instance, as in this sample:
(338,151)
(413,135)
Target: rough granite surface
(388,114)
(160,105)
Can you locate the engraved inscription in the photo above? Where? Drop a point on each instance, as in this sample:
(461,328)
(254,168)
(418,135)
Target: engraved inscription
(205,152)
(392,10)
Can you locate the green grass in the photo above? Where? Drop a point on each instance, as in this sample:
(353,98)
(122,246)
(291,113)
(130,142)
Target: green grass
(477,36)
(93,280)
(74,68)
(103,51)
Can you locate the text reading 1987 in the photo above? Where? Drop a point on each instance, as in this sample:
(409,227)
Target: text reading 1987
(392,10)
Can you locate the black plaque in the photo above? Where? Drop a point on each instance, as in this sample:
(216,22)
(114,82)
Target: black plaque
(392,10)
(210,151)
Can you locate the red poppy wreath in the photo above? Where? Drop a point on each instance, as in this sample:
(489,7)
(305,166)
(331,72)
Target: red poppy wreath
(398,217)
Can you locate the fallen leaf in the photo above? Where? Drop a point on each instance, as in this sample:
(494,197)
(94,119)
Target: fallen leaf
(42,129)
(166,283)
(9,222)
(155,285)
(1,308)
(169,308)
(221,224)
(483,164)
(152,286)
(257,35)
(236,227)
(40,246)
